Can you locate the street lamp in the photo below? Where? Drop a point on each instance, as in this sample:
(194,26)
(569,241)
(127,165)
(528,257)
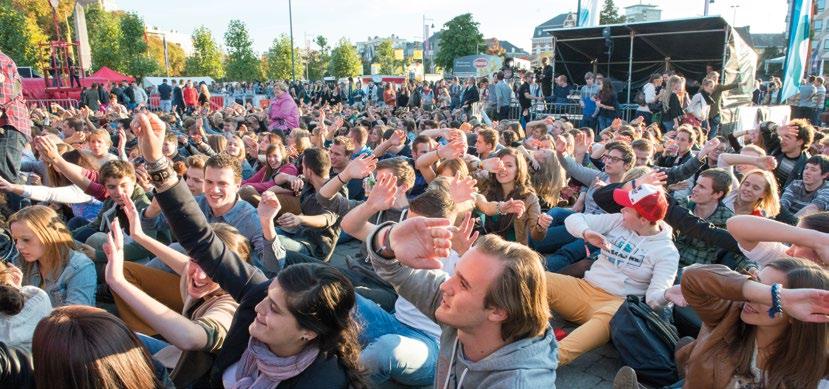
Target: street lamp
(734,15)
(426,46)
(707,2)
(291,26)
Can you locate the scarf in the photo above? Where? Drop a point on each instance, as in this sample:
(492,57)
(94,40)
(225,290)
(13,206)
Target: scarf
(261,369)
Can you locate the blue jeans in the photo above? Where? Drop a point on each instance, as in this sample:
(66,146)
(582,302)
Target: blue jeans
(604,122)
(568,254)
(12,143)
(394,352)
(292,243)
(557,234)
(165,105)
(714,122)
(667,125)
(152,345)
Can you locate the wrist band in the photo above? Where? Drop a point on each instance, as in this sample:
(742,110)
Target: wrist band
(340,179)
(776,307)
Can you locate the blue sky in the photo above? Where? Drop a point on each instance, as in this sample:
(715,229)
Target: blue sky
(359,19)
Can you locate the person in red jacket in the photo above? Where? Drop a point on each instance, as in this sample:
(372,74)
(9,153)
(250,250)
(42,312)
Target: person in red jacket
(191,96)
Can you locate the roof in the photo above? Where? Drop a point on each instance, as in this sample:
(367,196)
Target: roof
(510,48)
(108,74)
(556,22)
(642,6)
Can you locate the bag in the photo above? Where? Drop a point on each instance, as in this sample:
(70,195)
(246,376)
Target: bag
(645,342)
(691,119)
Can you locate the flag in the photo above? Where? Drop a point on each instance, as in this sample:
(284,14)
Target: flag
(589,13)
(798,48)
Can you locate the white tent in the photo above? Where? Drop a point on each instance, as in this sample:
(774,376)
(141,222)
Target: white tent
(147,82)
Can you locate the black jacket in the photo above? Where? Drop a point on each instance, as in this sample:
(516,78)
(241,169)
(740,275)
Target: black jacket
(247,284)
(165,91)
(178,96)
(15,368)
(470,95)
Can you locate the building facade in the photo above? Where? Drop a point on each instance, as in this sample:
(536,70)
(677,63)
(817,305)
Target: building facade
(643,13)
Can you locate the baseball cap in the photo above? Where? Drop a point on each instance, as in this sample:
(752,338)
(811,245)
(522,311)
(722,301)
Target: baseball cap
(647,200)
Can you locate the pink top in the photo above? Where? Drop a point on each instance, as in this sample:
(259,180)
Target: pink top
(283,113)
(258,181)
(95,189)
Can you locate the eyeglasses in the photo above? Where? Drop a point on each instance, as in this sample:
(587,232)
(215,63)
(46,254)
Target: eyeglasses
(608,157)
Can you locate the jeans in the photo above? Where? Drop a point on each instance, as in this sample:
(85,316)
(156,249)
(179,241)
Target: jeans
(83,233)
(714,122)
(588,121)
(569,254)
(291,243)
(152,345)
(667,125)
(557,234)
(12,143)
(393,351)
(605,122)
(166,105)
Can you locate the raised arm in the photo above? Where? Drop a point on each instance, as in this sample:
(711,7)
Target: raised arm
(356,222)
(172,258)
(74,173)
(751,230)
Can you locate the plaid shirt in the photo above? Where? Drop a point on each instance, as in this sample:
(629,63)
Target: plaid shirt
(693,251)
(13,111)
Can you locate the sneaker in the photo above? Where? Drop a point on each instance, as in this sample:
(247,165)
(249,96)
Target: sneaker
(625,379)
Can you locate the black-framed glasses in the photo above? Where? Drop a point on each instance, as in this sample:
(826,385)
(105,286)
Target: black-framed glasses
(608,157)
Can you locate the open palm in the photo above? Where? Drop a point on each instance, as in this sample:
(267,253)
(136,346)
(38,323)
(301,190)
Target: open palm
(420,242)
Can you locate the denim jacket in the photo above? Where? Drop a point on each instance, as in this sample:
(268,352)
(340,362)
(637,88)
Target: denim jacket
(242,216)
(76,284)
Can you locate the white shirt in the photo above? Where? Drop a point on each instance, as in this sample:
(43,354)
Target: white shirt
(765,252)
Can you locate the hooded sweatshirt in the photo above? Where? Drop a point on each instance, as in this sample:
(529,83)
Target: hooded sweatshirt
(17,330)
(525,363)
(643,266)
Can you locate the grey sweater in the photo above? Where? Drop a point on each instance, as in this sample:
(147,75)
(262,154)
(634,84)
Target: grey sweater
(525,363)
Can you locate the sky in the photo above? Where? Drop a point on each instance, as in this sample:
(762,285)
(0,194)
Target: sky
(357,20)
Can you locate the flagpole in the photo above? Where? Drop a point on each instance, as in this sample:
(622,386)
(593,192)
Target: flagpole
(578,14)
(792,26)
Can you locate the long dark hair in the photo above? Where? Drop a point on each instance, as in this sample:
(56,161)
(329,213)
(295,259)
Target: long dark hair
(321,299)
(607,92)
(799,358)
(84,347)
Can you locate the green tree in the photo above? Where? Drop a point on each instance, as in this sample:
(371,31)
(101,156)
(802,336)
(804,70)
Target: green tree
(241,63)
(175,55)
(459,37)
(134,48)
(318,60)
(20,37)
(345,62)
(610,14)
(207,57)
(278,58)
(105,35)
(384,55)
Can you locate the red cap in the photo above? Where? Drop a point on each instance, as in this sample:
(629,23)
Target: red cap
(647,200)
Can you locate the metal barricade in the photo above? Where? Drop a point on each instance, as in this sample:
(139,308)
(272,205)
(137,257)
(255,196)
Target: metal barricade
(47,103)
(572,111)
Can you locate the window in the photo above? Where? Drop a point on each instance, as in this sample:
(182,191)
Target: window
(820,5)
(826,45)
(818,25)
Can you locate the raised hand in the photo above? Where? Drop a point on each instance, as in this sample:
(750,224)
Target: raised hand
(289,220)
(596,239)
(6,186)
(420,242)
(452,150)
(360,167)
(768,163)
(133,218)
(47,148)
(269,206)
(150,131)
(516,207)
(544,221)
(492,165)
(654,177)
(461,189)
(464,236)
(114,250)
(709,147)
(297,183)
(383,194)
(809,305)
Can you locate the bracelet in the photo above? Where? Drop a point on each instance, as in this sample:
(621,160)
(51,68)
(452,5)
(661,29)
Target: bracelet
(386,252)
(340,179)
(498,208)
(776,306)
(159,164)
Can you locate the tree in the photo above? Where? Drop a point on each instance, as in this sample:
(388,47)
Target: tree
(318,60)
(459,37)
(241,63)
(175,55)
(278,60)
(207,57)
(20,37)
(610,14)
(104,29)
(384,55)
(345,62)
(134,48)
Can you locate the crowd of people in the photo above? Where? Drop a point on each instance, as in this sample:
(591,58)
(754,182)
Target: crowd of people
(194,246)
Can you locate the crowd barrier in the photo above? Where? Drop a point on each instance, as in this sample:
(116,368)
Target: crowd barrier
(47,103)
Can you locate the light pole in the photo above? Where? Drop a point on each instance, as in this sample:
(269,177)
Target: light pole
(426,46)
(291,26)
(707,2)
(734,15)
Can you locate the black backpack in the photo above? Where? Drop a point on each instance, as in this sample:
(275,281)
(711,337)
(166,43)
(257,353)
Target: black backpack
(645,342)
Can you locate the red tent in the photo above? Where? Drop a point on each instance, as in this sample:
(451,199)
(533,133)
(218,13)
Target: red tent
(107,74)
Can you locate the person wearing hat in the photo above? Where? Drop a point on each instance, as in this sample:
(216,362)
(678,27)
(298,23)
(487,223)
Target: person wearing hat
(638,257)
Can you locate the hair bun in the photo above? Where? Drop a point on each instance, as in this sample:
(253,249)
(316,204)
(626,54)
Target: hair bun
(11,300)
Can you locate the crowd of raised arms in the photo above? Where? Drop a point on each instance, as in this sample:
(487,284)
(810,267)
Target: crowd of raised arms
(193,246)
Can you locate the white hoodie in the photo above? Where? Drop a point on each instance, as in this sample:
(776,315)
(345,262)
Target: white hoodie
(635,265)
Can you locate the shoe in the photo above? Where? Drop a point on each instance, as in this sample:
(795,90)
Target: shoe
(625,379)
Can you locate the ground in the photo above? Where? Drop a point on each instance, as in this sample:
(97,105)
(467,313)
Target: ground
(594,370)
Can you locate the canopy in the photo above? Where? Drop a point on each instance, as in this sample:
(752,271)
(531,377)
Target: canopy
(107,74)
(686,46)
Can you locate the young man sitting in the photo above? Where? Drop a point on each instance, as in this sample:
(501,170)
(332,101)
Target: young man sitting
(811,194)
(492,311)
(705,202)
(638,257)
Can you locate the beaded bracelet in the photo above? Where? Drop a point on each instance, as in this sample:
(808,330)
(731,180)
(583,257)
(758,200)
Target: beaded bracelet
(776,307)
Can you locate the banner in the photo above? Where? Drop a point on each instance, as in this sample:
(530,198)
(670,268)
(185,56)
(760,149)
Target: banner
(84,52)
(589,15)
(797,54)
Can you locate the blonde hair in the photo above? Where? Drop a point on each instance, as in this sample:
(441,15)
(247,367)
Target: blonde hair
(52,234)
(770,202)
(242,151)
(100,133)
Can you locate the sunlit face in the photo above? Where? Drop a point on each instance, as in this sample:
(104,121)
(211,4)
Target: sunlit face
(339,157)
(97,146)
(614,162)
(753,188)
(631,219)
(703,191)
(683,142)
(220,187)
(464,292)
(274,159)
(198,283)
(643,157)
(28,244)
(420,149)
(234,146)
(119,189)
(195,180)
(275,325)
(758,314)
(789,144)
(508,173)
(169,148)
(482,147)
